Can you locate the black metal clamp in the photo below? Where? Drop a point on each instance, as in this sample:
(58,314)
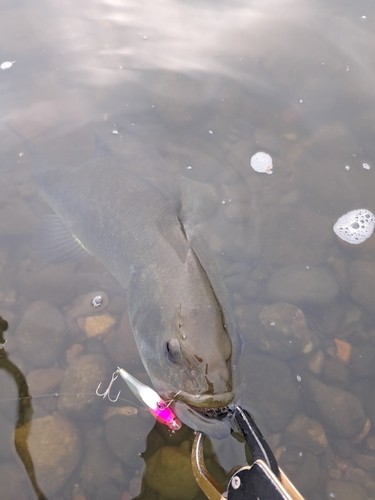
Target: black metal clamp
(263,480)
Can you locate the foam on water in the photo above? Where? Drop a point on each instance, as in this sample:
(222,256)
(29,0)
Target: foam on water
(356,226)
(262,162)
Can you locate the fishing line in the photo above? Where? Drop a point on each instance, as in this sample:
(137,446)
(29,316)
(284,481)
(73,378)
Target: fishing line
(57,394)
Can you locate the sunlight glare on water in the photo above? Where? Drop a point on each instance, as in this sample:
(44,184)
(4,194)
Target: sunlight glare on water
(185,94)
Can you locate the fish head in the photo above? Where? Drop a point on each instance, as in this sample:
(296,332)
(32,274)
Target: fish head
(197,359)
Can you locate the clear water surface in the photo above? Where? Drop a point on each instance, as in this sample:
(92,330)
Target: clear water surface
(185,93)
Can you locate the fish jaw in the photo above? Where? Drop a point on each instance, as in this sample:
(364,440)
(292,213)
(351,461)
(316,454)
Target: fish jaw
(200,400)
(207,400)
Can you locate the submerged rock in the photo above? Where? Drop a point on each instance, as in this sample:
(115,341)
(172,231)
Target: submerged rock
(301,284)
(41,334)
(345,490)
(14,483)
(169,472)
(306,433)
(284,331)
(126,436)
(271,390)
(99,465)
(340,410)
(53,283)
(95,326)
(6,438)
(302,468)
(16,218)
(53,445)
(362,361)
(362,284)
(88,304)
(77,389)
(44,380)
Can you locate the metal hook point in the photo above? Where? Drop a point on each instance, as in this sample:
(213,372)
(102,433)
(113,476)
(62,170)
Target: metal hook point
(107,392)
(168,403)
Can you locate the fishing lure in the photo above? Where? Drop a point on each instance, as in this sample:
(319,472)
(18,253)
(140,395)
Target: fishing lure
(158,408)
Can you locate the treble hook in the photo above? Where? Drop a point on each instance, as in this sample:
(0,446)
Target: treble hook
(106,393)
(168,403)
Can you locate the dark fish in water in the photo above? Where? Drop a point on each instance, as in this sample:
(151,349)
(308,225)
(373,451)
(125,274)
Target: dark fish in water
(177,300)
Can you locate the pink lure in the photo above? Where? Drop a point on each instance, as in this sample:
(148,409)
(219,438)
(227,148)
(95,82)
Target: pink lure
(151,399)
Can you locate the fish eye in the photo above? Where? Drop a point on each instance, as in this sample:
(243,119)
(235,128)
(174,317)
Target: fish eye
(173,350)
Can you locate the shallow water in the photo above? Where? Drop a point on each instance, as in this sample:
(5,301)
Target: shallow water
(186,92)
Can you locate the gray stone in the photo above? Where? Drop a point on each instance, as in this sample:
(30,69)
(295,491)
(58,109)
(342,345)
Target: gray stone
(9,396)
(77,390)
(44,380)
(369,399)
(16,218)
(335,370)
(302,468)
(57,283)
(300,284)
(271,390)
(8,289)
(340,410)
(14,482)
(306,433)
(340,490)
(362,361)
(53,283)
(41,335)
(109,491)
(99,465)
(319,178)
(53,445)
(6,438)
(285,223)
(362,284)
(126,436)
(284,331)
(83,305)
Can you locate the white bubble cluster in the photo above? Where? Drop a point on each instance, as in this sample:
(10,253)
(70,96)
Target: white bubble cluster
(355,226)
(262,162)
(7,64)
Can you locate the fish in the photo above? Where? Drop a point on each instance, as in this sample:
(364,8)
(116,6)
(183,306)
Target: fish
(177,301)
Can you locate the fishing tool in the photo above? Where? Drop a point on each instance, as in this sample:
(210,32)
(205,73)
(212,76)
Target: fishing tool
(158,408)
(262,480)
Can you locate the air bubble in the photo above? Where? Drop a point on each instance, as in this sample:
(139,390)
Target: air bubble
(7,64)
(356,226)
(262,162)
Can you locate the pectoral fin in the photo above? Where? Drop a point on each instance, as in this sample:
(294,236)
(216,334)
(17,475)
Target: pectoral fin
(53,242)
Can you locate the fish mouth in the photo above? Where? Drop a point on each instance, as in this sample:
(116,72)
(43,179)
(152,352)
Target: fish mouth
(205,401)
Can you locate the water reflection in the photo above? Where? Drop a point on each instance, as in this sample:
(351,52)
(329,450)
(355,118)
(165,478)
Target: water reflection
(24,416)
(192,91)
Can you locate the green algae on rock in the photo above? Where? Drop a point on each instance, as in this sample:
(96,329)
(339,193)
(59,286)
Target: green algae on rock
(169,472)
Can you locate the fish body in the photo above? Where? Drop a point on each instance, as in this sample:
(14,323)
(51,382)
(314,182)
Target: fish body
(177,301)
